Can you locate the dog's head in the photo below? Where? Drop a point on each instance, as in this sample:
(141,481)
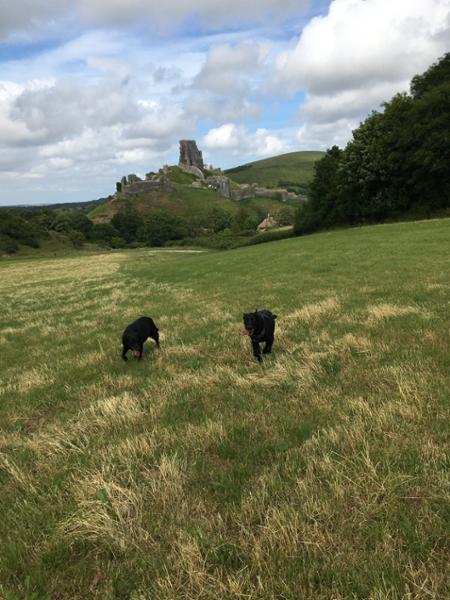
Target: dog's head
(251,321)
(135,347)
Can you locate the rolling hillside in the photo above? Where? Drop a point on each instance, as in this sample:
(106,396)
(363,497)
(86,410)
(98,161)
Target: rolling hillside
(293,170)
(185,201)
(198,473)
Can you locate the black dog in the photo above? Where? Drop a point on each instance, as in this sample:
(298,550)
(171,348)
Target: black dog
(260,327)
(136,333)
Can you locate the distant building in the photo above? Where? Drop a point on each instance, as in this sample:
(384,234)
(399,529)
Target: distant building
(268,223)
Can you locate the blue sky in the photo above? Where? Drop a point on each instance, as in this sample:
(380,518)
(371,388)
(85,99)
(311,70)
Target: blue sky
(91,90)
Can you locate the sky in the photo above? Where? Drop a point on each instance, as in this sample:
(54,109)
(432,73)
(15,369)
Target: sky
(91,90)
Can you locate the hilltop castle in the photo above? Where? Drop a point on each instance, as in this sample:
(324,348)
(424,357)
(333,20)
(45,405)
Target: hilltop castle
(191,161)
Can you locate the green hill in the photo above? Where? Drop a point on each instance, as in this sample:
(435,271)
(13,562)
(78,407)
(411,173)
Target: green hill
(185,201)
(199,473)
(294,170)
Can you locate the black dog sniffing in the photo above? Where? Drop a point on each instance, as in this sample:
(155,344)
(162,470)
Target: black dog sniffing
(136,333)
(260,327)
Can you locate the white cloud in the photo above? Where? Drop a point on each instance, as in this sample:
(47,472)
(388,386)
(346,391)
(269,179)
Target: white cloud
(218,108)
(320,136)
(357,56)
(227,136)
(362,42)
(238,139)
(351,103)
(227,68)
(82,135)
(224,87)
(68,107)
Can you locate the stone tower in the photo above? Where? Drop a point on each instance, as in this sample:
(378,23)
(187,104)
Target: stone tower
(190,155)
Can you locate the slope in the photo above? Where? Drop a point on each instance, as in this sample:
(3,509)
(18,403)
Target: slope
(184,201)
(293,170)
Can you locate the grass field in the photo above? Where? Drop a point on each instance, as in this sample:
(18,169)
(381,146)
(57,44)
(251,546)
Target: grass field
(295,169)
(200,474)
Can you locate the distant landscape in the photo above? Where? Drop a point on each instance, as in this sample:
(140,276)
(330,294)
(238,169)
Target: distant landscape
(185,215)
(395,167)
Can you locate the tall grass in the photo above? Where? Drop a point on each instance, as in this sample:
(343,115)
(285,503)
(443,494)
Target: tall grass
(198,473)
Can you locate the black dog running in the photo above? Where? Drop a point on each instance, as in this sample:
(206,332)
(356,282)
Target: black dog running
(136,333)
(260,327)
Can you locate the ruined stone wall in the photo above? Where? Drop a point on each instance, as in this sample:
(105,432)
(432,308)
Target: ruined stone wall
(255,192)
(131,185)
(190,155)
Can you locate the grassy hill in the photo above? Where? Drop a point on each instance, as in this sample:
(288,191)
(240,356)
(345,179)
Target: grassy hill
(293,170)
(198,473)
(185,201)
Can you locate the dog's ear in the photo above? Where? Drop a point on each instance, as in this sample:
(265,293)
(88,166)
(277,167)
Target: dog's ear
(256,310)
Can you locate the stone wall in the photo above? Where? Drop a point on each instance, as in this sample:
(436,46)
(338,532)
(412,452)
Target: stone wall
(132,185)
(190,155)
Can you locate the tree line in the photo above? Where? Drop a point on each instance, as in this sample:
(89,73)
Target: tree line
(128,228)
(396,165)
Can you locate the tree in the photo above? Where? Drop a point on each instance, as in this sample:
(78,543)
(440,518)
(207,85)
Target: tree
(320,210)
(434,76)
(244,221)
(103,232)
(285,216)
(160,227)
(218,219)
(127,222)
(14,227)
(79,221)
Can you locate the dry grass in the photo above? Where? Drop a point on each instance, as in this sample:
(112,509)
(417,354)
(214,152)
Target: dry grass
(314,313)
(382,312)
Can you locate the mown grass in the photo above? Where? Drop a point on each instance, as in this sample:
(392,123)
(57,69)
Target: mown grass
(198,473)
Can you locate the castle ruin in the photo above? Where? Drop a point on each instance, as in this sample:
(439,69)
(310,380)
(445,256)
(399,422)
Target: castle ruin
(191,161)
(190,155)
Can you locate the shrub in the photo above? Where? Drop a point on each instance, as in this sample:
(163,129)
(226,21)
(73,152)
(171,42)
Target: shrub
(117,242)
(8,246)
(77,238)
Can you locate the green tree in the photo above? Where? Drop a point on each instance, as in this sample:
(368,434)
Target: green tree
(127,222)
(243,220)
(18,230)
(160,227)
(218,219)
(434,76)
(321,209)
(103,232)
(285,216)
